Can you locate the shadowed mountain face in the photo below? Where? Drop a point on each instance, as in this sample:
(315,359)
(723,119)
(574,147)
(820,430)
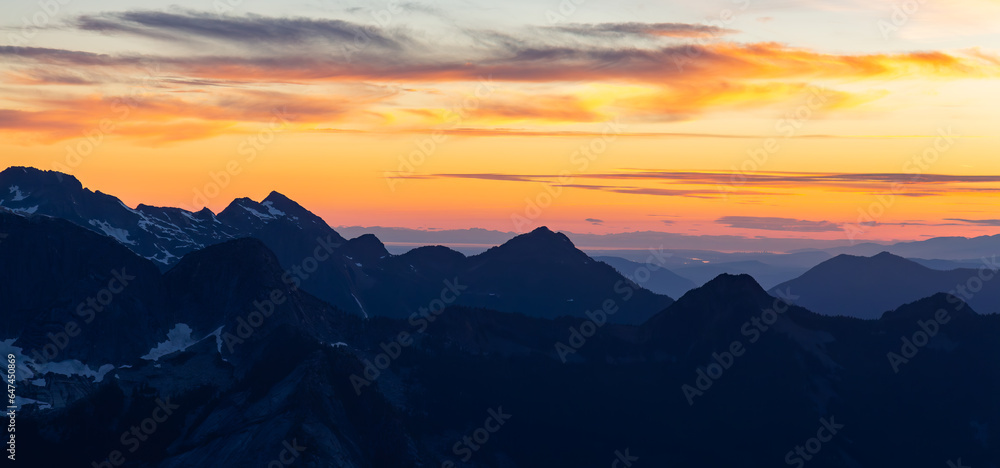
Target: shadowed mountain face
(866,287)
(54,273)
(726,358)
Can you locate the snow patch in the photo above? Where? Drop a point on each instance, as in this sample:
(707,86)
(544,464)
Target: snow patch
(359,305)
(166,256)
(27,369)
(218,340)
(272,210)
(18,196)
(120,234)
(178,339)
(256,213)
(40,382)
(74,367)
(21,401)
(30,210)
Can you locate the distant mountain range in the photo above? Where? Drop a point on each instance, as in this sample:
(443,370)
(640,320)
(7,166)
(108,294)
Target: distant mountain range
(245,365)
(940,248)
(866,287)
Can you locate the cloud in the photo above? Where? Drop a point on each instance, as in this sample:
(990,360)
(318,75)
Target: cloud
(595,221)
(675,30)
(716,184)
(777,224)
(284,49)
(162,118)
(635,74)
(978,222)
(252,30)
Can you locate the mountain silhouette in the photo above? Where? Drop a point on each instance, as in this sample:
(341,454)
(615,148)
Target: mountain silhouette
(867,287)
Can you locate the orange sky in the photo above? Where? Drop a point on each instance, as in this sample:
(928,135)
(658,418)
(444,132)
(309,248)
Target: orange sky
(767,121)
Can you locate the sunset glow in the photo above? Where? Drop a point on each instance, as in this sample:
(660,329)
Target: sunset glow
(827,120)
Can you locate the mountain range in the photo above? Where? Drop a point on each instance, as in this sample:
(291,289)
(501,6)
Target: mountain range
(359,275)
(241,367)
(867,287)
(260,334)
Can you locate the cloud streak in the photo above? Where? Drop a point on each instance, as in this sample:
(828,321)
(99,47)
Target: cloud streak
(777,224)
(649,72)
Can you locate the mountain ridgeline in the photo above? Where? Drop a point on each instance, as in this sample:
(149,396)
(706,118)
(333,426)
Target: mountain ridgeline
(539,274)
(867,287)
(240,359)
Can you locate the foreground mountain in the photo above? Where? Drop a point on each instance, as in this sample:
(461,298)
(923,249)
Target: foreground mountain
(866,287)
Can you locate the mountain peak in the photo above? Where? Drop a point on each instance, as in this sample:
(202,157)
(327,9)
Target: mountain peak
(277,197)
(37,178)
(542,243)
(928,307)
(732,285)
(543,235)
(740,281)
(366,248)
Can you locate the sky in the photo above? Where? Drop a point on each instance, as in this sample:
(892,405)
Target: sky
(835,120)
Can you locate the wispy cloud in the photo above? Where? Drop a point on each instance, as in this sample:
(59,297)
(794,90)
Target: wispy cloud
(675,30)
(977,222)
(777,224)
(706,184)
(251,31)
(651,72)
